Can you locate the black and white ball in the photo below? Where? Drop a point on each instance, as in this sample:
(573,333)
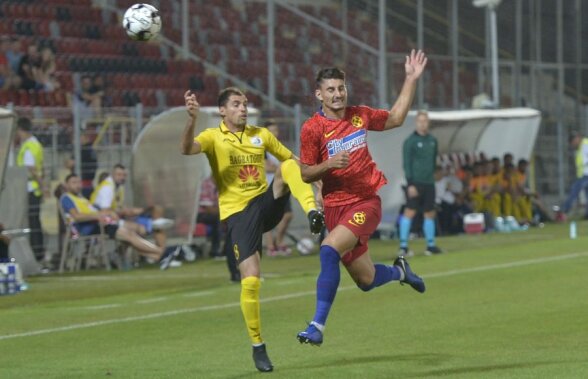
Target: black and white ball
(142,22)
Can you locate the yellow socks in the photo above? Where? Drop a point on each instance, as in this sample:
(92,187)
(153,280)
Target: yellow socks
(250,307)
(300,190)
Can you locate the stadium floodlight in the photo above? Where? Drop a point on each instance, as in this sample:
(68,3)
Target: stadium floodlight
(486,3)
(491,6)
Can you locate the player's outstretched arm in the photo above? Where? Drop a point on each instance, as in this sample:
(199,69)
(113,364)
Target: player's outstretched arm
(189,146)
(413,68)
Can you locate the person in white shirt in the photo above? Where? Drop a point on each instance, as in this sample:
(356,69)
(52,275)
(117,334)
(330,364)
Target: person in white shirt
(109,194)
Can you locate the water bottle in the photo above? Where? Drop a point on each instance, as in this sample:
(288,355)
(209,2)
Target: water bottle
(573,230)
(11,279)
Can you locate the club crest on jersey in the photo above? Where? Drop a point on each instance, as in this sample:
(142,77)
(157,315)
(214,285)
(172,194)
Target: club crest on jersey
(358,219)
(349,143)
(356,121)
(256,141)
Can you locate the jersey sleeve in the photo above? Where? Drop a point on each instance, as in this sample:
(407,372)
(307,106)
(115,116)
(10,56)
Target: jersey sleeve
(275,147)
(309,144)
(377,118)
(206,140)
(67,204)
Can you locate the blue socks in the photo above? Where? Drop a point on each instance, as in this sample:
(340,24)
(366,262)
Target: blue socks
(384,274)
(327,283)
(404,230)
(429,230)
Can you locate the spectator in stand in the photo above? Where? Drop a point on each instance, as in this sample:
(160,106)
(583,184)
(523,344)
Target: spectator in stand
(89,162)
(27,67)
(276,246)
(85,95)
(44,72)
(99,89)
(208,214)
(8,79)
(14,54)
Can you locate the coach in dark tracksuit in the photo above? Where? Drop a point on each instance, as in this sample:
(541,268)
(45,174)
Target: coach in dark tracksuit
(419,154)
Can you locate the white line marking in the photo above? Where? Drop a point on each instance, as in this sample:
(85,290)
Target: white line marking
(278,298)
(153,300)
(104,306)
(199,293)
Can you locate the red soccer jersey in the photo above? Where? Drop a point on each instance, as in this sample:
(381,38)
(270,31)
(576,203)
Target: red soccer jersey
(322,138)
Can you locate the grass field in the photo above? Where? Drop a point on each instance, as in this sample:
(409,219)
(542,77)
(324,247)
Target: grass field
(496,306)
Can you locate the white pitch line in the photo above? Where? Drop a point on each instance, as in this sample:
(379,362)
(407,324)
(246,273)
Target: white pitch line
(103,306)
(176,312)
(199,294)
(152,300)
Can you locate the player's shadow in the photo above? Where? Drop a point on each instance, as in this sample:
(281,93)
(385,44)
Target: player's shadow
(450,372)
(426,358)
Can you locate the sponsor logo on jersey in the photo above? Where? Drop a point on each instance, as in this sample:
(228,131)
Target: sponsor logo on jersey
(349,143)
(328,134)
(356,121)
(249,176)
(246,159)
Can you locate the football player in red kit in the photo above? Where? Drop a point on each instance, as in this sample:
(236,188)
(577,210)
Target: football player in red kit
(334,149)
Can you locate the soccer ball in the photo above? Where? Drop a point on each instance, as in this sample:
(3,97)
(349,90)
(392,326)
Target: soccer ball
(305,246)
(142,22)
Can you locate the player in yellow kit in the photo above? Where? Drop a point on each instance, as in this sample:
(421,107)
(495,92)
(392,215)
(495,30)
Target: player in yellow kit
(236,153)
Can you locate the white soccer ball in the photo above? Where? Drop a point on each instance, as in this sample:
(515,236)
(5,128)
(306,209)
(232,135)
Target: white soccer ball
(142,22)
(305,246)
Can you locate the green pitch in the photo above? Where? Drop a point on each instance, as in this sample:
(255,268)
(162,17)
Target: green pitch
(496,306)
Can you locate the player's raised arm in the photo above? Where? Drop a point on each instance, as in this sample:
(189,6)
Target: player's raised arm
(413,67)
(188,145)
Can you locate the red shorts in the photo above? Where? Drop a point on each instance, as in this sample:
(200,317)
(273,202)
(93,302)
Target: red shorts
(362,218)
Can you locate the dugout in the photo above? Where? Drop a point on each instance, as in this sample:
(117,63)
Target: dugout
(491,131)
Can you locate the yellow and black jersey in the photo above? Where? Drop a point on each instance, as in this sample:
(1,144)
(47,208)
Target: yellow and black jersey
(237,161)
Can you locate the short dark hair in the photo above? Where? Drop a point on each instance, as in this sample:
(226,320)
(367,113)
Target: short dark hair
(574,134)
(329,73)
(522,161)
(72,175)
(224,94)
(118,165)
(25,124)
